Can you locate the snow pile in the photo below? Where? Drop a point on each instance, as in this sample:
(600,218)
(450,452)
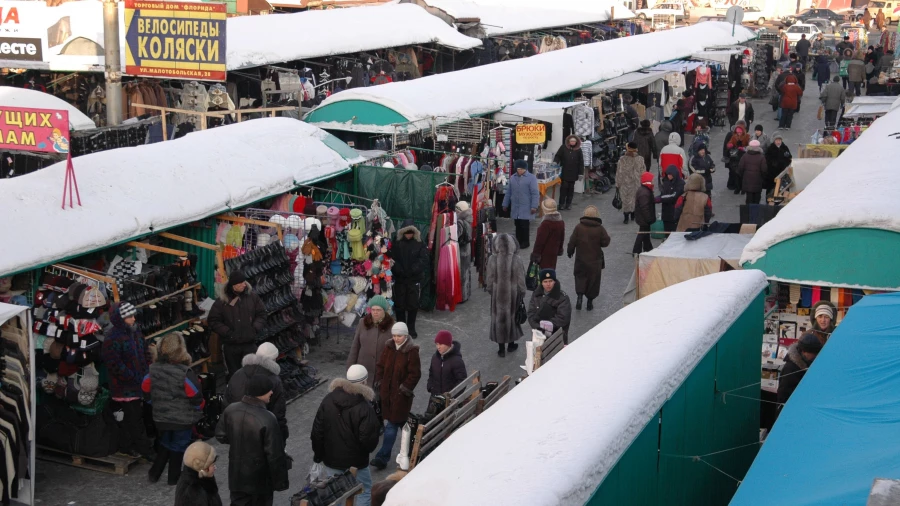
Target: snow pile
(553,438)
(276,38)
(859,189)
(33,99)
(489,88)
(500,17)
(129,192)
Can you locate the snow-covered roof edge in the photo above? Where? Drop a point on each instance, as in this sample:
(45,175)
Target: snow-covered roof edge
(127,193)
(463,92)
(858,189)
(20,97)
(318,33)
(574,417)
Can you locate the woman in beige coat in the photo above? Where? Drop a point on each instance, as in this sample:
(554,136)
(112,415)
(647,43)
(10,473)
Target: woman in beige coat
(628,178)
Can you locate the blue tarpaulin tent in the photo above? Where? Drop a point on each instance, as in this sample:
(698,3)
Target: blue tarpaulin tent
(838,432)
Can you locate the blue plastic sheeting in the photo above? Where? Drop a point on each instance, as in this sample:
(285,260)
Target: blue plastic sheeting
(838,431)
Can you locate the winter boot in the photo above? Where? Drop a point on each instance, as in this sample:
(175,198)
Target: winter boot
(502,350)
(411,322)
(626,218)
(162,458)
(578,302)
(590,304)
(512,347)
(175,461)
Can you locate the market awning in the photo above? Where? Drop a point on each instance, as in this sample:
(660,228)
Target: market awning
(722,56)
(33,99)
(844,415)
(844,228)
(680,65)
(536,107)
(577,415)
(312,34)
(869,106)
(629,81)
(130,192)
(490,88)
(497,17)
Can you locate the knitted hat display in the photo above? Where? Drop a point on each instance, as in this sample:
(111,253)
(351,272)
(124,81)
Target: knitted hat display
(294,222)
(357,250)
(322,211)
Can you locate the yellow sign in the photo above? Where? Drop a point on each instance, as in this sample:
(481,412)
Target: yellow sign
(531,133)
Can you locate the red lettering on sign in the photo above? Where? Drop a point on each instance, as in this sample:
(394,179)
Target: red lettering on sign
(12,16)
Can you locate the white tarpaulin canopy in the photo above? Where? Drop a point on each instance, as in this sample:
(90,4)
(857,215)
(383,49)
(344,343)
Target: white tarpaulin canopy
(869,106)
(130,192)
(629,81)
(678,65)
(490,88)
(858,190)
(275,38)
(717,55)
(805,170)
(576,416)
(33,99)
(500,17)
(678,259)
(536,107)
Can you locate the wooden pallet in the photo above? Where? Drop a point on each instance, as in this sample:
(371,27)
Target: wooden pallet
(113,464)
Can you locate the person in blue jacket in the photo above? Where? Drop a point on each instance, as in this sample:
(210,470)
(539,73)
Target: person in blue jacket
(522,199)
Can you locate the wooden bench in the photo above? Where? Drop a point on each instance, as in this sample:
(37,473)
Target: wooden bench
(492,398)
(462,406)
(549,349)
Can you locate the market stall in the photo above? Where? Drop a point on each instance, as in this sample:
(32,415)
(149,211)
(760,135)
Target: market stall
(623,447)
(18,403)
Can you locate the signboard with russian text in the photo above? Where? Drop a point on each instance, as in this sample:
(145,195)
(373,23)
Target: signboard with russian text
(66,37)
(531,133)
(175,40)
(43,130)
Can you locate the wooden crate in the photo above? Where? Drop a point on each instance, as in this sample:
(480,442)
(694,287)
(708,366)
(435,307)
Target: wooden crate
(546,351)
(112,464)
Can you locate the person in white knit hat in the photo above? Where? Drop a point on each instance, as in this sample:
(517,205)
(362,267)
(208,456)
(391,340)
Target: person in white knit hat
(262,362)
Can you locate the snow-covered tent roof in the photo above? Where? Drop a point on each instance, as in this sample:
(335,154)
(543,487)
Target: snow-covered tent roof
(318,33)
(501,17)
(577,415)
(489,88)
(536,107)
(837,432)
(629,81)
(21,97)
(677,65)
(130,192)
(867,106)
(858,190)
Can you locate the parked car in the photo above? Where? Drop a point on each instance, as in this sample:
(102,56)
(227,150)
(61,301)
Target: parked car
(711,18)
(890,15)
(824,25)
(753,14)
(676,9)
(796,31)
(833,17)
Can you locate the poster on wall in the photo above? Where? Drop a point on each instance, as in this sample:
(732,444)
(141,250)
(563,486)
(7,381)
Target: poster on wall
(39,130)
(68,37)
(175,40)
(531,133)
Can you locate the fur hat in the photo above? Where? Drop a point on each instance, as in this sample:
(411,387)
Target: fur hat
(548,274)
(267,350)
(236,277)
(754,143)
(549,206)
(199,456)
(809,343)
(357,373)
(171,349)
(645,123)
(444,337)
(259,385)
(462,206)
(591,212)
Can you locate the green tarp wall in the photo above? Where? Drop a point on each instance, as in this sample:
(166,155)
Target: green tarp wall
(658,468)
(841,257)
(404,194)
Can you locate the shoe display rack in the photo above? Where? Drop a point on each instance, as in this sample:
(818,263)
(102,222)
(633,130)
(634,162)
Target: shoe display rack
(760,81)
(722,99)
(298,377)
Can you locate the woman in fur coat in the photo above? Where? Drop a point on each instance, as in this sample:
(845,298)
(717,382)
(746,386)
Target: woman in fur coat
(628,178)
(505,280)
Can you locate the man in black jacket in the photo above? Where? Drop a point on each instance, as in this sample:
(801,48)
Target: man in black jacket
(346,428)
(740,109)
(644,214)
(570,158)
(237,317)
(447,366)
(803,50)
(261,363)
(410,264)
(257,466)
(800,356)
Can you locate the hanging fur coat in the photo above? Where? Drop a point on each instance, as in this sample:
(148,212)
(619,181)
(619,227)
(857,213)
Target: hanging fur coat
(505,282)
(628,178)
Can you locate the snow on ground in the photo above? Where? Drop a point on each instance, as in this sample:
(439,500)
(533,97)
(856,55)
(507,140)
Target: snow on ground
(132,191)
(859,189)
(252,40)
(20,97)
(553,438)
(489,88)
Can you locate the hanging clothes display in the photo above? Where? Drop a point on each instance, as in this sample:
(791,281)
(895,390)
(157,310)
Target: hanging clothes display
(583,117)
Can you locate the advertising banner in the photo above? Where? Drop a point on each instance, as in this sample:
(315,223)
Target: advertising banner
(43,130)
(175,40)
(68,37)
(531,133)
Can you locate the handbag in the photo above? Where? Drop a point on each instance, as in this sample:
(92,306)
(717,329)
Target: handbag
(531,275)
(521,313)
(820,114)
(617,200)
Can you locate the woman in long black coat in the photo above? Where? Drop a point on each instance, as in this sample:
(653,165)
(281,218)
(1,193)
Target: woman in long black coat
(586,243)
(410,263)
(778,158)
